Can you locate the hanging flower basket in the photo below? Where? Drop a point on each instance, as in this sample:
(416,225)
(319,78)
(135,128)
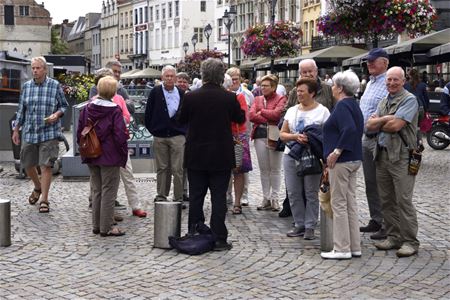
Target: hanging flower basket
(363,18)
(191,63)
(279,39)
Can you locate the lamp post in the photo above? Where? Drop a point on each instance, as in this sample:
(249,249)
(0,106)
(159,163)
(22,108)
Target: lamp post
(185,48)
(272,3)
(227,20)
(194,40)
(207,31)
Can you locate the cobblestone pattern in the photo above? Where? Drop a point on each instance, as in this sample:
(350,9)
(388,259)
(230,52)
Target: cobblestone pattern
(55,255)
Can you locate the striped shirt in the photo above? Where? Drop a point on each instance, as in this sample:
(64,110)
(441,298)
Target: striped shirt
(374,92)
(37,102)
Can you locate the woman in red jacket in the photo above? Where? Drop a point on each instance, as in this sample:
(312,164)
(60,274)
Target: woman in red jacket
(266,110)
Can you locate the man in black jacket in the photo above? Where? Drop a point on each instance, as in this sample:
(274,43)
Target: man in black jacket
(209,154)
(169,139)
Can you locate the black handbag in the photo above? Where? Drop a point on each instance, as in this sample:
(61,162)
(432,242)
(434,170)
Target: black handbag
(308,164)
(202,241)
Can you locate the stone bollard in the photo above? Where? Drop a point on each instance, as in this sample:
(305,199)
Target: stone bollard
(5,223)
(326,232)
(167,223)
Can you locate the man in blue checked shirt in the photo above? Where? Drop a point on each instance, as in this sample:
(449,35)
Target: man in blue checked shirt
(42,104)
(377,64)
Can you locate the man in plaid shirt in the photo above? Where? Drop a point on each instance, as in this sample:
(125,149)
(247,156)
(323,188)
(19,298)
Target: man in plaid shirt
(42,104)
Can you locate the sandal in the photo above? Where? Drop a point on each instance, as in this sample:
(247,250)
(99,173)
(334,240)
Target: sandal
(237,210)
(113,232)
(44,207)
(34,197)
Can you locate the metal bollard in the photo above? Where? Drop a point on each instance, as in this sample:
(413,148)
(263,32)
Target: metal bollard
(326,232)
(5,223)
(167,223)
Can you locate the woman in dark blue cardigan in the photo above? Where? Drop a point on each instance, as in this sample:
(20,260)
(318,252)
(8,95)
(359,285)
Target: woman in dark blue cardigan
(342,148)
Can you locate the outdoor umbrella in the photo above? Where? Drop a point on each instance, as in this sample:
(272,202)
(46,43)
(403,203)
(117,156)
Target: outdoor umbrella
(146,73)
(440,53)
(127,75)
(331,56)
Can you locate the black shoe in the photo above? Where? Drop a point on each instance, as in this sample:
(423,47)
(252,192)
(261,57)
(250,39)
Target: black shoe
(117,205)
(222,246)
(185,198)
(379,235)
(284,213)
(373,226)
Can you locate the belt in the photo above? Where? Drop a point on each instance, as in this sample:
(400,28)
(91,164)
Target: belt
(370,135)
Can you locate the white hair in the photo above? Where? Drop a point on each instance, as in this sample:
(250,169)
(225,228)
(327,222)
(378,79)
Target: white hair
(306,61)
(227,82)
(168,68)
(348,80)
(41,60)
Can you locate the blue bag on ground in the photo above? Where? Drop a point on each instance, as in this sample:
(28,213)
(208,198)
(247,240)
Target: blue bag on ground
(202,241)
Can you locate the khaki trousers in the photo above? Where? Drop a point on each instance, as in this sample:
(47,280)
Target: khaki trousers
(169,154)
(395,188)
(104,185)
(346,236)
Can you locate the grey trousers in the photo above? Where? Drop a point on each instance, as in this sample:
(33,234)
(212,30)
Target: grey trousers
(346,236)
(104,185)
(370,179)
(396,187)
(169,154)
(303,194)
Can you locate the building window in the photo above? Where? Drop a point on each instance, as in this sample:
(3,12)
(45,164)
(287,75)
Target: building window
(136,16)
(202,5)
(157,39)
(281,9)
(140,15)
(163,38)
(9,14)
(293,10)
(177,8)
(261,13)
(311,28)
(146,14)
(131,18)
(170,10)
(199,32)
(157,12)
(305,36)
(219,2)
(163,11)
(24,10)
(170,37)
(220,29)
(177,36)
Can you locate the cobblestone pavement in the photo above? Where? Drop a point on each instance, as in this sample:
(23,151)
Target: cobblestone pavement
(55,255)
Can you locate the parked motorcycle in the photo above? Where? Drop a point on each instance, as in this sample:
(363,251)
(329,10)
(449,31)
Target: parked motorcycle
(439,136)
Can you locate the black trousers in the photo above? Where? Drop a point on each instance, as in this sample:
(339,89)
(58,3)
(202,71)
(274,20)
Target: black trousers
(217,182)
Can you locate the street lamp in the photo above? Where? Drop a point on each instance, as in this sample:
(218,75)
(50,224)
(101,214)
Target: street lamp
(272,3)
(185,48)
(207,31)
(227,20)
(194,40)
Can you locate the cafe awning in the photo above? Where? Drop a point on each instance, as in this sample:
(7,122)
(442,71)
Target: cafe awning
(331,55)
(131,72)
(440,53)
(146,73)
(354,61)
(420,44)
(249,64)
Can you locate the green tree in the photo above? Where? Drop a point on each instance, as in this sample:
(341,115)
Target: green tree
(58,46)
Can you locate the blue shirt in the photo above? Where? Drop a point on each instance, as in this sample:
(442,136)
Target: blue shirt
(374,92)
(406,111)
(37,102)
(172,100)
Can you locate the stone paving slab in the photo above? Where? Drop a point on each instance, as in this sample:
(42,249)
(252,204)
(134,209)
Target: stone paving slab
(55,255)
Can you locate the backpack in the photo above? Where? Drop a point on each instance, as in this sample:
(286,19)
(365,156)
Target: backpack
(90,146)
(201,242)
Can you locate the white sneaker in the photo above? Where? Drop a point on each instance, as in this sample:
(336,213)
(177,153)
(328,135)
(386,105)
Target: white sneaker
(356,253)
(336,255)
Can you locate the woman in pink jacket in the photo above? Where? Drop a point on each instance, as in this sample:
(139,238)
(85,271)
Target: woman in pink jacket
(266,110)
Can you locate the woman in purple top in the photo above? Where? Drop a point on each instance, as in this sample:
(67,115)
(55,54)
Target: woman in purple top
(105,169)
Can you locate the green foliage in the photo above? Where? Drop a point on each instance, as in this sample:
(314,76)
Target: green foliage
(76,85)
(58,46)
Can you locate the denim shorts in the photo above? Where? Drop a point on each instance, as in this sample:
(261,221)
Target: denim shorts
(42,154)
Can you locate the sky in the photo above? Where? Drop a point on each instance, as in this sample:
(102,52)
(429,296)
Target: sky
(70,9)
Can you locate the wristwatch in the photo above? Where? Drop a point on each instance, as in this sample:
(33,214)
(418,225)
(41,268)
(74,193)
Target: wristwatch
(337,151)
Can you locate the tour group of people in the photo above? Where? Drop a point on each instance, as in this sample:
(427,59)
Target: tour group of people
(202,138)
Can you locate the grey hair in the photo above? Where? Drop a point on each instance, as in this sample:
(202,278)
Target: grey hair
(348,81)
(227,81)
(397,69)
(307,61)
(41,60)
(112,63)
(168,68)
(103,72)
(213,71)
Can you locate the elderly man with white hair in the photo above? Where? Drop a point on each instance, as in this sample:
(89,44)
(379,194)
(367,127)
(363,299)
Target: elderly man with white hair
(164,101)
(395,122)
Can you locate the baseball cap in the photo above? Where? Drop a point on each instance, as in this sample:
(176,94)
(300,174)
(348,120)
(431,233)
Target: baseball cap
(376,53)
